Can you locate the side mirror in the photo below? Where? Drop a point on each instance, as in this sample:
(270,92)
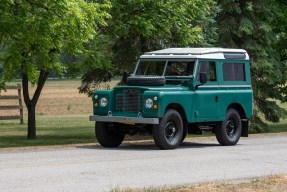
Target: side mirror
(202,77)
(125,77)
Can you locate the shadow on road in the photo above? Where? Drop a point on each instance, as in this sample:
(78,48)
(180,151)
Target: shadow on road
(148,146)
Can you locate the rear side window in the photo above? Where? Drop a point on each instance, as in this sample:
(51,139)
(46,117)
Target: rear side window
(233,72)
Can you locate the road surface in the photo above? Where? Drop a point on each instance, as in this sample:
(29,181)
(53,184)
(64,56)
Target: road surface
(137,165)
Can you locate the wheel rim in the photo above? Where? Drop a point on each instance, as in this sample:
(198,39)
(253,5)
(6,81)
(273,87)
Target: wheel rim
(231,128)
(170,130)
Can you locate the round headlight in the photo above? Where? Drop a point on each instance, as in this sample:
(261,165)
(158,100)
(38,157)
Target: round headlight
(104,102)
(148,103)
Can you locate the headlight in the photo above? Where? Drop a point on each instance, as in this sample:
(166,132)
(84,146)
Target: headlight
(148,103)
(104,102)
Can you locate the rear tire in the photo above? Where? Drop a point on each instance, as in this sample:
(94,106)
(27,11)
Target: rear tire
(168,133)
(109,134)
(229,131)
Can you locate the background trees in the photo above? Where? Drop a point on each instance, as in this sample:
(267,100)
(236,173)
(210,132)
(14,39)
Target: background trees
(142,25)
(259,26)
(34,33)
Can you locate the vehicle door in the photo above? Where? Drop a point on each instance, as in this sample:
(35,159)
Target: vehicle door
(207,99)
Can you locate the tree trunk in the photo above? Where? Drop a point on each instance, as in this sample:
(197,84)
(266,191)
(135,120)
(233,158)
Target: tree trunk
(31,103)
(31,122)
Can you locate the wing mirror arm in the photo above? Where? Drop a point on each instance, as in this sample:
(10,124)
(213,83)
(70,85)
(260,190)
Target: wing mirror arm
(125,77)
(202,79)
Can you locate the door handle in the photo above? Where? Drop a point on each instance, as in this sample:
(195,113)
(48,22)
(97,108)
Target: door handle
(216,98)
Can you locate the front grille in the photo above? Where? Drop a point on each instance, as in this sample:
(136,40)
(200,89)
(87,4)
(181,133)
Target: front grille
(129,101)
(119,101)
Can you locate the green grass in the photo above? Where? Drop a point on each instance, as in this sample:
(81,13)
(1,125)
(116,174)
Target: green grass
(278,127)
(51,130)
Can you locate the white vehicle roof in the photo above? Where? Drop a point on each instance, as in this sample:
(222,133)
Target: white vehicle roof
(204,53)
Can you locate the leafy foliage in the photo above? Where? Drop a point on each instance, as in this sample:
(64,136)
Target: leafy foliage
(34,33)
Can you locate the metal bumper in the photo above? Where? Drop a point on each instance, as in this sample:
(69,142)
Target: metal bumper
(122,119)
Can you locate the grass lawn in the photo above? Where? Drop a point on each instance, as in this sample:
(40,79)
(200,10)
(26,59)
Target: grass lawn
(281,126)
(51,130)
(278,127)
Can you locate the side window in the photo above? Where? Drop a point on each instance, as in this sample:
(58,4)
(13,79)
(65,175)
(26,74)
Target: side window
(209,68)
(233,72)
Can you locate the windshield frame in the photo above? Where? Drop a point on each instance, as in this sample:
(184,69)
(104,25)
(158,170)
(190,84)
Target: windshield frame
(165,67)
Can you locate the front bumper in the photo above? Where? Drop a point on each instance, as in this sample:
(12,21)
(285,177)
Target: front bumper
(122,119)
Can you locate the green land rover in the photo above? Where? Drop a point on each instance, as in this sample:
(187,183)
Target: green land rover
(178,91)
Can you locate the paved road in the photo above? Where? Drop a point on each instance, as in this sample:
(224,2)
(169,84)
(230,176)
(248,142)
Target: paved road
(93,168)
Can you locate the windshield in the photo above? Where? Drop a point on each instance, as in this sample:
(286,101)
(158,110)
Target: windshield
(179,68)
(166,68)
(151,68)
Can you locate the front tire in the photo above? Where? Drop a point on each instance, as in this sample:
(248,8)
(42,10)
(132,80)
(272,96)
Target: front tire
(168,133)
(109,134)
(229,131)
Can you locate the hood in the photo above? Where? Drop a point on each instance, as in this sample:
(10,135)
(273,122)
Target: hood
(155,88)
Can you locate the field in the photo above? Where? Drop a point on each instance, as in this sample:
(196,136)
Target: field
(61,117)
(59,97)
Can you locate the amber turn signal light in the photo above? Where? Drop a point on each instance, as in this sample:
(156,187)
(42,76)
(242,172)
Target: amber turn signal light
(155,106)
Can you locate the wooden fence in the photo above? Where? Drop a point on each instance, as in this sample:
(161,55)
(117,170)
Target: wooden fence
(13,107)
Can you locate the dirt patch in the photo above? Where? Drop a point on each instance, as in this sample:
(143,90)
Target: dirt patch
(277,183)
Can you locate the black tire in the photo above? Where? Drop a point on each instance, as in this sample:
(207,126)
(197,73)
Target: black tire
(146,80)
(229,131)
(109,134)
(168,133)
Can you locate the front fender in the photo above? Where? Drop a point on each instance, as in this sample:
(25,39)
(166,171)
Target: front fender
(184,99)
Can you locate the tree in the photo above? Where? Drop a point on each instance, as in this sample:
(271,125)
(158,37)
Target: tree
(138,26)
(34,33)
(252,25)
